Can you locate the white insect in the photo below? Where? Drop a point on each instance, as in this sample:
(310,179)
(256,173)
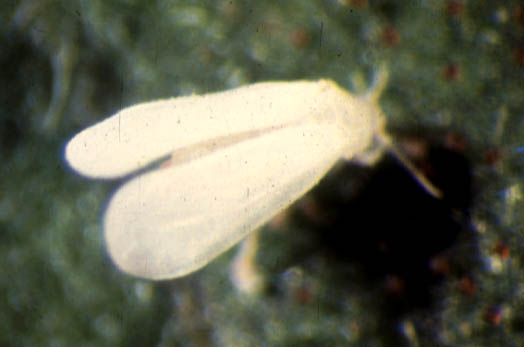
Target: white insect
(237,158)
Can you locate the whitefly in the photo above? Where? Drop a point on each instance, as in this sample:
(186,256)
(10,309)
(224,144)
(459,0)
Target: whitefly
(236,159)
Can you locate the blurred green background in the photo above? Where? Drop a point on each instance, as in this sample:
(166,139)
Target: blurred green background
(67,64)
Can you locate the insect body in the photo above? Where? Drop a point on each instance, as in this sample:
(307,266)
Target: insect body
(237,158)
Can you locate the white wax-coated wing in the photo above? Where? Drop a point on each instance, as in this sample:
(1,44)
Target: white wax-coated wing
(169,222)
(140,134)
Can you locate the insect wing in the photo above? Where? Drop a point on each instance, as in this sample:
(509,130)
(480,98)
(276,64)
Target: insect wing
(140,134)
(172,221)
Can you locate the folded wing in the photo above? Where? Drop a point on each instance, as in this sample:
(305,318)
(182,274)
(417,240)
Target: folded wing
(172,221)
(140,134)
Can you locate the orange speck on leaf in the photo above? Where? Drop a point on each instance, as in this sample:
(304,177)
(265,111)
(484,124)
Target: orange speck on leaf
(518,56)
(390,36)
(395,285)
(455,142)
(492,156)
(467,286)
(493,315)
(518,14)
(502,250)
(303,294)
(301,38)
(451,72)
(455,8)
